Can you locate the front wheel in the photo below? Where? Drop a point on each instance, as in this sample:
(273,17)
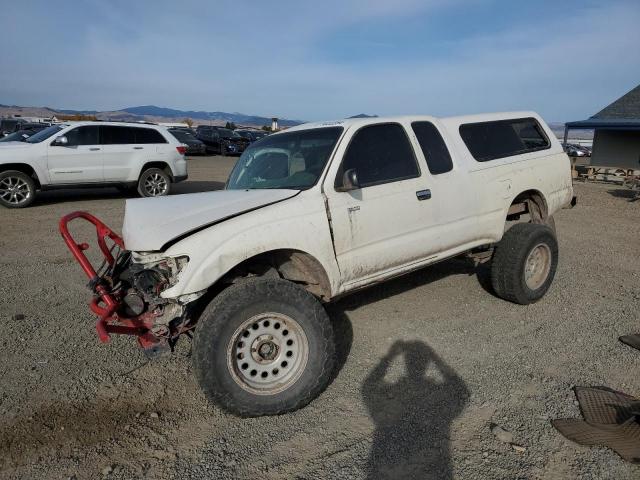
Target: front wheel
(154,183)
(524,263)
(263,347)
(17,189)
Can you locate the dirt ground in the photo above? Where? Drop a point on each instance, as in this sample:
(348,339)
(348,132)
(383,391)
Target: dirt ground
(427,362)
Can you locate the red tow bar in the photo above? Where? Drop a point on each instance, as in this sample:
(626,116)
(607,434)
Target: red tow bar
(105,304)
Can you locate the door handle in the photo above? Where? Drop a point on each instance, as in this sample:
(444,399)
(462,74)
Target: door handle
(423,194)
(138,148)
(94,149)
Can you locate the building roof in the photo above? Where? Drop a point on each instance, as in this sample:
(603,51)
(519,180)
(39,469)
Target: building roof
(623,114)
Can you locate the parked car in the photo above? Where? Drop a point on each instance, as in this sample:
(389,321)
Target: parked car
(221,140)
(252,135)
(22,135)
(319,211)
(12,125)
(575,150)
(91,154)
(184,136)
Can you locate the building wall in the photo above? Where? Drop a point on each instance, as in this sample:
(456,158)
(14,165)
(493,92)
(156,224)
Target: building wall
(616,148)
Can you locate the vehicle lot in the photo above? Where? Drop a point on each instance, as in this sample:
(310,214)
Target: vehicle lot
(71,406)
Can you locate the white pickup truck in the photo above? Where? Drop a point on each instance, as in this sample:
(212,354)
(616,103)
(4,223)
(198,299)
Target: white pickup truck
(316,212)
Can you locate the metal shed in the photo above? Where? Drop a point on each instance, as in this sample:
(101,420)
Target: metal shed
(616,139)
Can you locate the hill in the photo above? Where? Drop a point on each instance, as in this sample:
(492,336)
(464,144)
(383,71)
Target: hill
(150,113)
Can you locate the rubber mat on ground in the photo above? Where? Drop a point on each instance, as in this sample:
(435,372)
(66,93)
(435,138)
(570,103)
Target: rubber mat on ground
(611,419)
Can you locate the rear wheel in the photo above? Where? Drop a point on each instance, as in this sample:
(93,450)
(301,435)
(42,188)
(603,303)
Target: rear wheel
(524,263)
(263,347)
(154,183)
(17,189)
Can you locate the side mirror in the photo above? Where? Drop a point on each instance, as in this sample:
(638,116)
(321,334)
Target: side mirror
(61,141)
(349,181)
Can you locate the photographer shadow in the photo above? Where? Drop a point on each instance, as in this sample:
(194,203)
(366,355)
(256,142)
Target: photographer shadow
(413,415)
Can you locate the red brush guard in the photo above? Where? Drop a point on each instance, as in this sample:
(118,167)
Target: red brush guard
(105,303)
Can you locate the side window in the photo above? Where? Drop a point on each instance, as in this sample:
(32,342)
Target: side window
(379,154)
(112,135)
(433,147)
(148,135)
(82,136)
(503,138)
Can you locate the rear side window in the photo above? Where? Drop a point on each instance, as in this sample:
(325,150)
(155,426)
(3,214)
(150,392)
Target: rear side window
(503,138)
(379,154)
(118,135)
(433,147)
(82,136)
(148,135)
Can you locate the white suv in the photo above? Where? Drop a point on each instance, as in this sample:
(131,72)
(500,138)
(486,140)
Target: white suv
(91,154)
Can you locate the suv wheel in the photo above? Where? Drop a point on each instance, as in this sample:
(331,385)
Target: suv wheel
(263,347)
(524,263)
(154,183)
(17,189)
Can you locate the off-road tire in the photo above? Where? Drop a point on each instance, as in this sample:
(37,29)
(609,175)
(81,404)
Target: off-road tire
(509,262)
(29,186)
(219,323)
(143,191)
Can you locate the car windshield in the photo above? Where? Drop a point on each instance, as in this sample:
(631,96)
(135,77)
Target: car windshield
(287,160)
(182,135)
(18,136)
(226,133)
(44,134)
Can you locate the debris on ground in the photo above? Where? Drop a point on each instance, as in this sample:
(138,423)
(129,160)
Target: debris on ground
(631,340)
(611,419)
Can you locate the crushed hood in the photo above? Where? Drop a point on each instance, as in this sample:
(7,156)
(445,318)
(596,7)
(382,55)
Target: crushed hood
(149,223)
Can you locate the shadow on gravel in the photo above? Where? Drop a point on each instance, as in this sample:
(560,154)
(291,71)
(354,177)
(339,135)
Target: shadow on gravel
(83,194)
(425,276)
(343,336)
(631,195)
(413,415)
(196,186)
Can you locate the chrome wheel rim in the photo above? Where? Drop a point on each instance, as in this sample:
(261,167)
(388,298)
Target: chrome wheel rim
(155,184)
(267,353)
(537,266)
(14,190)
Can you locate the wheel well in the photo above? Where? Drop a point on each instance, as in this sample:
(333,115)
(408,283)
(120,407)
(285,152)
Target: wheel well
(532,203)
(161,165)
(294,265)
(22,167)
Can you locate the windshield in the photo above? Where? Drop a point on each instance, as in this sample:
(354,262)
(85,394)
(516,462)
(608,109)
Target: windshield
(18,136)
(225,133)
(287,160)
(44,134)
(182,135)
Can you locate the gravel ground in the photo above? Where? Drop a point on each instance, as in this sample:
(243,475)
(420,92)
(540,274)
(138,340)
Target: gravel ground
(71,407)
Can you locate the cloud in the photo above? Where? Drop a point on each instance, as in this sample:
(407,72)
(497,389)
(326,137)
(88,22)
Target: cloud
(273,59)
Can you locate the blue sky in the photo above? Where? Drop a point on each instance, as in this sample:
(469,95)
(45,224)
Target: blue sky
(321,60)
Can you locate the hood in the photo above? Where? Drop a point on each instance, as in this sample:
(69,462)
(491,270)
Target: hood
(149,223)
(15,144)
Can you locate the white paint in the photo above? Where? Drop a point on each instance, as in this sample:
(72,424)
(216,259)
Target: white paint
(149,225)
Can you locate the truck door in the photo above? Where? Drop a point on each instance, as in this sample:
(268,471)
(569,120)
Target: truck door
(77,161)
(455,220)
(383,224)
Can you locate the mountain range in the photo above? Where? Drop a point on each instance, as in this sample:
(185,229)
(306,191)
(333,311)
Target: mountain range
(151,113)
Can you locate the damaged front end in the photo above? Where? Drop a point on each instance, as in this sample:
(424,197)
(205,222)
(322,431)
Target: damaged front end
(127,289)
